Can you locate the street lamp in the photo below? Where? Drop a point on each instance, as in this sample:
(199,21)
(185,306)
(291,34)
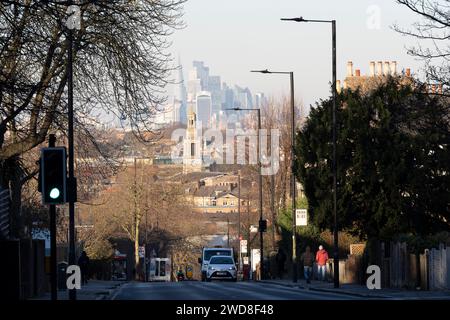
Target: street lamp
(261,231)
(294,233)
(334,164)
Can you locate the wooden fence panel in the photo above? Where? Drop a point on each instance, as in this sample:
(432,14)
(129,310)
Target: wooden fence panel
(4,213)
(438,268)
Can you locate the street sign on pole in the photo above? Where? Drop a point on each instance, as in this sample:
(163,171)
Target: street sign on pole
(141,252)
(301,217)
(243,246)
(253,228)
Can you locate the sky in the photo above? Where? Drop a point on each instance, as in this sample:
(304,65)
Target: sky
(233,37)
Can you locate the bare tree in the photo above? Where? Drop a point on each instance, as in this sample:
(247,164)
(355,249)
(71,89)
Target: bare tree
(120,68)
(433,30)
(277,115)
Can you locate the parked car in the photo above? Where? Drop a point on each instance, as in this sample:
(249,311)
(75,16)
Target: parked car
(221,267)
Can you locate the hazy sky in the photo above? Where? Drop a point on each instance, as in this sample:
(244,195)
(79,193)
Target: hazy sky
(233,37)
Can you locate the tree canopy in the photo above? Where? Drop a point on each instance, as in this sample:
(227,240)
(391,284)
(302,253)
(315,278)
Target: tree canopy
(393,161)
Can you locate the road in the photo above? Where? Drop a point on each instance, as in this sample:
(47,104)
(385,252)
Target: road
(196,290)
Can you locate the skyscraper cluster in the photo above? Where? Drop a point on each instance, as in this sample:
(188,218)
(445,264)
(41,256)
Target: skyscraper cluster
(208,97)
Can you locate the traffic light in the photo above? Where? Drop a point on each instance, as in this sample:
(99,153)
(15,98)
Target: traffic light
(53,175)
(262,225)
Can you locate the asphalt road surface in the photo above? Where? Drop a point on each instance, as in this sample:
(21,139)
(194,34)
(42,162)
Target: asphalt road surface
(220,290)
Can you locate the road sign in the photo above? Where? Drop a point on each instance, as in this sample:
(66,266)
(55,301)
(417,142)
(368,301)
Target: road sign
(301,217)
(141,252)
(243,246)
(256,258)
(253,228)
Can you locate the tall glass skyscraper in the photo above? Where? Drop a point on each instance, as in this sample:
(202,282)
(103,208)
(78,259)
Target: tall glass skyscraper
(203,108)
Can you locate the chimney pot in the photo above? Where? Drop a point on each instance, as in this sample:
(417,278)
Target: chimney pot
(379,68)
(338,86)
(372,68)
(350,69)
(386,68)
(408,72)
(394,68)
(433,88)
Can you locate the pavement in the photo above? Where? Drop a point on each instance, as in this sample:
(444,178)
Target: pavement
(362,291)
(93,290)
(274,289)
(220,290)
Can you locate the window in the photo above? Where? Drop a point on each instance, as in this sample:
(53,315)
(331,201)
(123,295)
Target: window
(192,149)
(221,260)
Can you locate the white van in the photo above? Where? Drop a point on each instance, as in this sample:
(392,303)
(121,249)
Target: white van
(207,253)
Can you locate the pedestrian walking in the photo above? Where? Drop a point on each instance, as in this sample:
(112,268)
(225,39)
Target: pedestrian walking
(83,263)
(321,259)
(280,259)
(308,259)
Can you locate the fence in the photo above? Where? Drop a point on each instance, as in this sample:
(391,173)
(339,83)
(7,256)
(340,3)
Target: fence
(438,268)
(4,213)
(399,268)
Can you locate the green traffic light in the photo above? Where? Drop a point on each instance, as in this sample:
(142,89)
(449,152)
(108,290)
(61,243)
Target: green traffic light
(54,193)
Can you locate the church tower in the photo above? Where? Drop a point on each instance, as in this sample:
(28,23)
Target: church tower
(192,154)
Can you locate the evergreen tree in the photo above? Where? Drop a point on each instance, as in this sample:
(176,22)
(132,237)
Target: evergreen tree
(393,161)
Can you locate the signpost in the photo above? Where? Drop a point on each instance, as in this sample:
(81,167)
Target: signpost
(141,252)
(301,217)
(243,246)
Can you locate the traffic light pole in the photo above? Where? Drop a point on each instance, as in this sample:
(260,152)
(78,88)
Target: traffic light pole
(52,212)
(261,231)
(71,179)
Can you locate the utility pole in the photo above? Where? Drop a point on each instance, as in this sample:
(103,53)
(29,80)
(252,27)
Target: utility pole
(294,233)
(334,139)
(228,231)
(53,262)
(239,220)
(71,180)
(294,228)
(261,231)
(258,152)
(272,201)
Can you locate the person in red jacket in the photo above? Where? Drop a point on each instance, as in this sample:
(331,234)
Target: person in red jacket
(321,259)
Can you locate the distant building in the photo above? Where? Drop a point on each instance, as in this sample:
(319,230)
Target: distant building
(214,86)
(221,180)
(180,99)
(227,97)
(220,194)
(203,108)
(378,74)
(260,100)
(201,73)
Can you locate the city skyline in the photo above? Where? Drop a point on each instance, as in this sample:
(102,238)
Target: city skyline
(364,34)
